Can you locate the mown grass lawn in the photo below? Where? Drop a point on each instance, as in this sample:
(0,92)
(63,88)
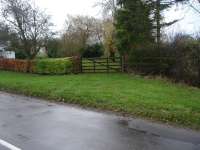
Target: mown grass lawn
(148,98)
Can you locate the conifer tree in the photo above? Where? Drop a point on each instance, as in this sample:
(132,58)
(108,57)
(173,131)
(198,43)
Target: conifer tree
(134,26)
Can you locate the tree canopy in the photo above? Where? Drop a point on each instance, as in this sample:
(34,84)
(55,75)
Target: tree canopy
(31,25)
(134,26)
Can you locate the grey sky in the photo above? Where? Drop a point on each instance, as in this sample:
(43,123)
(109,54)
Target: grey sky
(59,9)
(189,19)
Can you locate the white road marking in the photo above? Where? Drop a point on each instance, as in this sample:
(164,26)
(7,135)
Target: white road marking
(8,145)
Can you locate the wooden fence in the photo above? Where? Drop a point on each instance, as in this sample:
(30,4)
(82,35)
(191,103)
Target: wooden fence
(101,65)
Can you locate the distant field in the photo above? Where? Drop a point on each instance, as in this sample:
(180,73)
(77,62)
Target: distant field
(148,98)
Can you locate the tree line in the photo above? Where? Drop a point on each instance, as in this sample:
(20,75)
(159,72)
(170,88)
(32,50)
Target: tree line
(125,26)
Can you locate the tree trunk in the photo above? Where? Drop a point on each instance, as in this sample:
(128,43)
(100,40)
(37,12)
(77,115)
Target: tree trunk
(158,25)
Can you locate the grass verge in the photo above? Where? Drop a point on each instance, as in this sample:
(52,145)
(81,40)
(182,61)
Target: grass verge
(148,98)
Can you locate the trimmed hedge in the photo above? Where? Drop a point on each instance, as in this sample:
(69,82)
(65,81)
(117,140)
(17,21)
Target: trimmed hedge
(52,66)
(38,66)
(178,59)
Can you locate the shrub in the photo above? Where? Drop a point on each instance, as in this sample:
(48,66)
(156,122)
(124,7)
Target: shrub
(52,66)
(53,48)
(178,59)
(187,53)
(150,59)
(19,54)
(95,50)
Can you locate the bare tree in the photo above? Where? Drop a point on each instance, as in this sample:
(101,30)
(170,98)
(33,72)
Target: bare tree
(29,22)
(194,4)
(109,38)
(4,34)
(80,32)
(109,7)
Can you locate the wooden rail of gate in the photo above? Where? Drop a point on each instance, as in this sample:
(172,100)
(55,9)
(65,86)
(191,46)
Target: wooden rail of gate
(101,65)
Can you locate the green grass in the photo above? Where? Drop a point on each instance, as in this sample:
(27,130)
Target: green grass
(147,98)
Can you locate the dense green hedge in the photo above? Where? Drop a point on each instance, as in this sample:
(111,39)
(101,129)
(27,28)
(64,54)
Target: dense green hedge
(38,66)
(52,66)
(178,59)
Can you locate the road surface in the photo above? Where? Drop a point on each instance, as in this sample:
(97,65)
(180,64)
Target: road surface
(32,124)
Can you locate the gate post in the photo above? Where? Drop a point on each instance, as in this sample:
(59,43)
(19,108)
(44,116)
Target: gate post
(108,65)
(198,59)
(81,64)
(121,63)
(94,65)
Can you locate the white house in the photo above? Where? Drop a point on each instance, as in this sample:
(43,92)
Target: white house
(6,54)
(42,52)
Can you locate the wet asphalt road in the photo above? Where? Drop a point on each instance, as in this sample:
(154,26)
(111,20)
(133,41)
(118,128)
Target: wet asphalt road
(32,124)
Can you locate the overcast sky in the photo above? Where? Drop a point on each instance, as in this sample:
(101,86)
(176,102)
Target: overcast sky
(189,19)
(59,9)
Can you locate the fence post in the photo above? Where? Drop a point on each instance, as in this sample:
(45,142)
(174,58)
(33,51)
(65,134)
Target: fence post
(124,63)
(107,65)
(121,63)
(81,64)
(198,59)
(28,66)
(94,65)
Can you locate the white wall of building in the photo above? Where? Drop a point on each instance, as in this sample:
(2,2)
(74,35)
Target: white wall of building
(7,54)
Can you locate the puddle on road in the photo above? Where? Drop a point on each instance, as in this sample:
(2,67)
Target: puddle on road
(126,123)
(19,116)
(23,137)
(162,135)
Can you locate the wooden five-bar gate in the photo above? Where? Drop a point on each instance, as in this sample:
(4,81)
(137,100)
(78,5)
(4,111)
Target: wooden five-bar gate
(101,65)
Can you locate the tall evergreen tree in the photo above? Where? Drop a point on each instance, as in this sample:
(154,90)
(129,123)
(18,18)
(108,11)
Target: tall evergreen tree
(134,26)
